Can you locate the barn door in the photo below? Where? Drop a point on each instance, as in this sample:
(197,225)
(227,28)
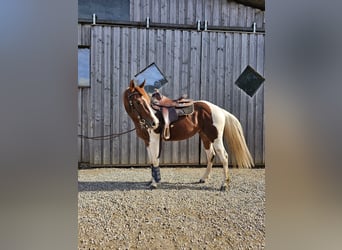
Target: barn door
(224,55)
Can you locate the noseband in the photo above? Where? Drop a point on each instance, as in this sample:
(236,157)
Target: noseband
(143,122)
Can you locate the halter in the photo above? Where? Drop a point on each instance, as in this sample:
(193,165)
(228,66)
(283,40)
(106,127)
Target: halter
(143,123)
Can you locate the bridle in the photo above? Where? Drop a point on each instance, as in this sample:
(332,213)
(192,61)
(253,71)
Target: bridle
(143,122)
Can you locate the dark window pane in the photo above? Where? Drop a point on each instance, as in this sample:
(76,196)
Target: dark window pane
(249,81)
(117,10)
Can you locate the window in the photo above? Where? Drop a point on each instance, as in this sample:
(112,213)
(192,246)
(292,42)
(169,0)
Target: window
(249,81)
(155,79)
(108,10)
(83,67)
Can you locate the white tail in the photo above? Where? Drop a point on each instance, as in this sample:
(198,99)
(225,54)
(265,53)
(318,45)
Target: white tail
(233,134)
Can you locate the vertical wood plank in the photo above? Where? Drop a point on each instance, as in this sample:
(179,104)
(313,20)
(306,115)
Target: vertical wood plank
(233,14)
(259,126)
(79,34)
(220,77)
(190,12)
(225,14)
(212,69)
(173,12)
(131,10)
(236,73)
(183,87)
(176,47)
(181,12)
(124,79)
(86,107)
(216,12)
(107,97)
(194,89)
(242,15)
(243,96)
(97,88)
(116,128)
(249,17)
(250,137)
(207,12)
(259,18)
(204,85)
(164,11)
(133,58)
(79,124)
(142,157)
(167,90)
(156,15)
(228,71)
(198,10)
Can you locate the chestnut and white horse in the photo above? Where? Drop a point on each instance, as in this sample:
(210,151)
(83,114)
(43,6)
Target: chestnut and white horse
(211,122)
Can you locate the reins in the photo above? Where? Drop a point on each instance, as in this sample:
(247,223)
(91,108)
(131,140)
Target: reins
(106,137)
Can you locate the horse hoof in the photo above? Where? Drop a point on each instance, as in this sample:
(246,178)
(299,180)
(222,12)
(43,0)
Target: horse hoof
(149,183)
(223,188)
(153,186)
(201,181)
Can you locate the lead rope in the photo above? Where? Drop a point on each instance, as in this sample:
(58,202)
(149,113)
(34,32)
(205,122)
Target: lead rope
(106,137)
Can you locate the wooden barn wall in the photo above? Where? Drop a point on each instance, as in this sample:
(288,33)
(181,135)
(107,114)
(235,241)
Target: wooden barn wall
(217,12)
(84,118)
(224,57)
(203,65)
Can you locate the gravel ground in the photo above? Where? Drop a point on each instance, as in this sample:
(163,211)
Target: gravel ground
(117,211)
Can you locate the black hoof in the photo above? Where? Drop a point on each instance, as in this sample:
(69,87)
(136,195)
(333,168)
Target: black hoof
(223,188)
(201,181)
(149,183)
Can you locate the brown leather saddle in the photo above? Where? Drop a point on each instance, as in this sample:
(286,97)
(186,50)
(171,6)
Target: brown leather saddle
(171,109)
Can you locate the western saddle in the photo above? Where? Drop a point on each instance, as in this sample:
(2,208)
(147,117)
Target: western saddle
(170,109)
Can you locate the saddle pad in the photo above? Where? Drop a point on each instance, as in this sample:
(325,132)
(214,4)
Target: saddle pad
(185,111)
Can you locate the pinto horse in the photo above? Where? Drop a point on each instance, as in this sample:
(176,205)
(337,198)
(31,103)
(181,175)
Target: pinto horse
(211,122)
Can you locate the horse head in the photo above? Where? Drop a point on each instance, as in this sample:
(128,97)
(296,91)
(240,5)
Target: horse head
(137,105)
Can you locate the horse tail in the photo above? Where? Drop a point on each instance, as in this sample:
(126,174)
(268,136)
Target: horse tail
(233,134)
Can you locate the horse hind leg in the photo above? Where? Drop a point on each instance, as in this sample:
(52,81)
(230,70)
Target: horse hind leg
(210,160)
(223,155)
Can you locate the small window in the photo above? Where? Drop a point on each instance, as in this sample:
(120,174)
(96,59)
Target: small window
(83,67)
(155,79)
(249,81)
(105,10)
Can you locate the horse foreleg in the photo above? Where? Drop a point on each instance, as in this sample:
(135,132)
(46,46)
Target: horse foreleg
(210,160)
(153,152)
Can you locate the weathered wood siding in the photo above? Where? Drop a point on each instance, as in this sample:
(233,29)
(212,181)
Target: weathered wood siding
(217,12)
(203,65)
(224,57)
(84,118)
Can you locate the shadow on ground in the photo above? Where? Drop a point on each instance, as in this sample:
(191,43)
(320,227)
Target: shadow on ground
(84,186)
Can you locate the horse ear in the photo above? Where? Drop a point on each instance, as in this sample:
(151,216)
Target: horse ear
(131,85)
(143,84)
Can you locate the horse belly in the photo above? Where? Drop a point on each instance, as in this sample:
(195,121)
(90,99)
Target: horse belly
(182,129)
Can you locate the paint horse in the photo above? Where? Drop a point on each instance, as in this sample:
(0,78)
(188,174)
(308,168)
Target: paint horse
(211,122)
